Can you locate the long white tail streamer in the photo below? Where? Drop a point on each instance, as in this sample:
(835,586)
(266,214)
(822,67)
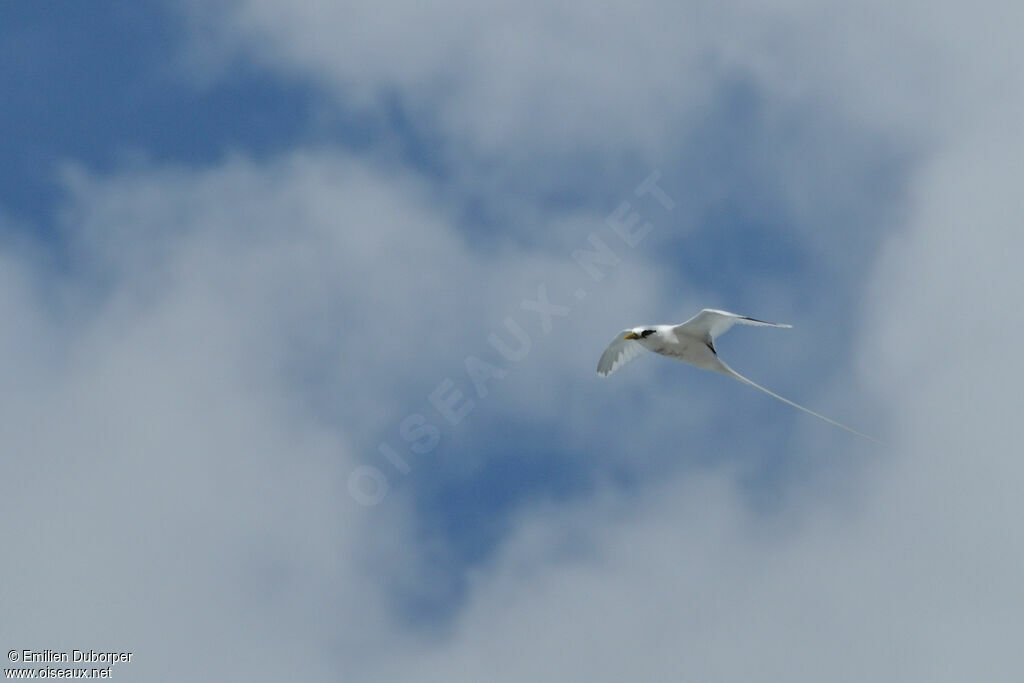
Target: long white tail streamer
(726,370)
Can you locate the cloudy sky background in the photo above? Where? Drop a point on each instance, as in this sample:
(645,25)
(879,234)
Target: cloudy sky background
(243,243)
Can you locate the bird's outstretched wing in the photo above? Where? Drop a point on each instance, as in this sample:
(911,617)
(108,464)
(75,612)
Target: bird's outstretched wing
(709,324)
(618,353)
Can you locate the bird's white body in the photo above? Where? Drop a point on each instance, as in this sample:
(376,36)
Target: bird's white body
(676,342)
(693,342)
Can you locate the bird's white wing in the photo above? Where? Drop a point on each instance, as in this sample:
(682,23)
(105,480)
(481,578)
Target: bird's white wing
(709,324)
(618,353)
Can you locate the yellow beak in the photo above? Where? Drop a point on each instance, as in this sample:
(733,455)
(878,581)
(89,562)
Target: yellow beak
(631,335)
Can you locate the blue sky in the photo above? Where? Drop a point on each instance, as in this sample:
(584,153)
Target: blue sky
(243,243)
(119,96)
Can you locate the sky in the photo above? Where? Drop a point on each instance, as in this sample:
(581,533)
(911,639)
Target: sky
(302,304)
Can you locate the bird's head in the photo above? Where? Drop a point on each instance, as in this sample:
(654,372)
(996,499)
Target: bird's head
(639,333)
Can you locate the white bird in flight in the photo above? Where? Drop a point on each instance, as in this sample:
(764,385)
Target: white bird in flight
(693,342)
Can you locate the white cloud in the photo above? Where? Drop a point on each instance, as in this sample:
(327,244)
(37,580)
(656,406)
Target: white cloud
(519,104)
(185,405)
(161,493)
(508,77)
(617,80)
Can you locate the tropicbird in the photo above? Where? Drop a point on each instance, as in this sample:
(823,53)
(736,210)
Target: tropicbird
(693,342)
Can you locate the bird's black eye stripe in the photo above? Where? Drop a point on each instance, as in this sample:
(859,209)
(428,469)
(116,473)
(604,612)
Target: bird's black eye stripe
(646,333)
